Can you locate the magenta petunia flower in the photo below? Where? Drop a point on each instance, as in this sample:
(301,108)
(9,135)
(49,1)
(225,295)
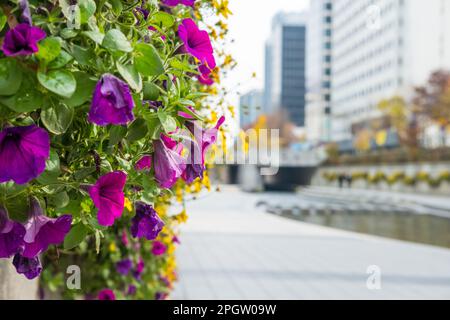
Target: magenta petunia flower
(42,231)
(108,197)
(30,267)
(124,238)
(168,163)
(23,152)
(146,223)
(174,3)
(106,294)
(145,163)
(204,76)
(197,42)
(158,248)
(139,269)
(124,266)
(204,139)
(22,40)
(112,102)
(11,235)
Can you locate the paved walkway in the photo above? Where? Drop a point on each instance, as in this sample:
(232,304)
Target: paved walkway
(232,250)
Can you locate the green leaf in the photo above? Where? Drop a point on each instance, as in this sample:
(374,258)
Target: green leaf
(116,6)
(148,61)
(131,76)
(72,13)
(60,61)
(61,82)
(57,119)
(18,207)
(52,169)
(116,134)
(82,173)
(76,235)
(10,77)
(83,56)
(83,92)
(3,20)
(49,49)
(154,127)
(116,40)
(164,19)
(137,130)
(59,200)
(27,99)
(87,9)
(151,91)
(95,36)
(167,121)
(182,65)
(68,33)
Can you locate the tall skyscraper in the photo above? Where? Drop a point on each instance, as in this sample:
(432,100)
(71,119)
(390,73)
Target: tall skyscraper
(250,107)
(285,66)
(318,71)
(383,48)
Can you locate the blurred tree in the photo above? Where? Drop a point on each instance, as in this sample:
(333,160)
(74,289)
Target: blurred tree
(433,100)
(404,119)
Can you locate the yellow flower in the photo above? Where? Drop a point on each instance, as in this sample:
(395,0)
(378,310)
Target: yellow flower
(222,8)
(128,204)
(182,217)
(112,247)
(228,60)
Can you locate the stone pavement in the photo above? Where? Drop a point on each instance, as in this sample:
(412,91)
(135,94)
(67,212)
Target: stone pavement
(232,250)
(14,286)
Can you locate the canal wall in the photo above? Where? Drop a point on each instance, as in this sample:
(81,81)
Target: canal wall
(424,178)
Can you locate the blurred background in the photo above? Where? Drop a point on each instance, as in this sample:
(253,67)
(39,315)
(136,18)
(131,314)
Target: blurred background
(359,207)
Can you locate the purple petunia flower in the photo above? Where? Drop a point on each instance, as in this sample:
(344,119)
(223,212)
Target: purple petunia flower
(174,3)
(168,163)
(11,235)
(144,163)
(106,294)
(198,148)
(112,102)
(197,42)
(108,197)
(30,267)
(124,266)
(158,248)
(160,296)
(146,223)
(42,231)
(131,290)
(22,40)
(26,13)
(23,152)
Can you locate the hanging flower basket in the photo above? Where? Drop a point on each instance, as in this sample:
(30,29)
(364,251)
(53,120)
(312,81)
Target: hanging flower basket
(105,120)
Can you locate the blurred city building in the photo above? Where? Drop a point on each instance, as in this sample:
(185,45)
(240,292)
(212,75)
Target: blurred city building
(285,84)
(250,107)
(382,49)
(318,71)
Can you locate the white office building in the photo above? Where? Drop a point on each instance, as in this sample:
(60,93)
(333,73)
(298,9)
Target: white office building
(318,71)
(382,48)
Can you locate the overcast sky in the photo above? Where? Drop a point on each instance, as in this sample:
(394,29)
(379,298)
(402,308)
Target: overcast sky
(250,27)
